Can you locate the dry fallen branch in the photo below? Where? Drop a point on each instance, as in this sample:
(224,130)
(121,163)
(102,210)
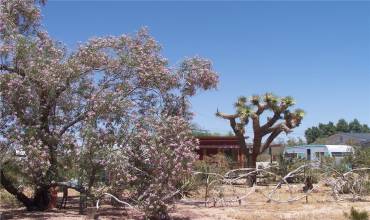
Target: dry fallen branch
(224,179)
(356,183)
(115,198)
(349,182)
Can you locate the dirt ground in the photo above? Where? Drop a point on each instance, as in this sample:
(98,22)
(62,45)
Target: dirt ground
(320,205)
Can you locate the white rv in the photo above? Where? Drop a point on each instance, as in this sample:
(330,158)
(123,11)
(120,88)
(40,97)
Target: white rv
(315,152)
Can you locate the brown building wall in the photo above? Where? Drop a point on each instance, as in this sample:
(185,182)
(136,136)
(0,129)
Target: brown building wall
(229,145)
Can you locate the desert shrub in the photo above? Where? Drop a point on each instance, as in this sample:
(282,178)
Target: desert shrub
(217,163)
(207,165)
(189,185)
(287,165)
(314,174)
(357,182)
(367,188)
(8,199)
(360,158)
(356,215)
(210,174)
(263,158)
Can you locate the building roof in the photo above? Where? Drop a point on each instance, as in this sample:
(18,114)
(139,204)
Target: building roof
(330,148)
(361,136)
(218,142)
(339,148)
(222,142)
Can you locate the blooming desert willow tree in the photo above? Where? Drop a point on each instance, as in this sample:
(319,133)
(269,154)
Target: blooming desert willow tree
(113,102)
(282,120)
(158,161)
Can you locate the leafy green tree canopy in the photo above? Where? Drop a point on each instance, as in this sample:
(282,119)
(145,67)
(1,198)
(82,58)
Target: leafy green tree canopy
(342,126)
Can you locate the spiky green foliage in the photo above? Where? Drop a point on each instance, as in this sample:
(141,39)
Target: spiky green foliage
(255,99)
(300,113)
(288,100)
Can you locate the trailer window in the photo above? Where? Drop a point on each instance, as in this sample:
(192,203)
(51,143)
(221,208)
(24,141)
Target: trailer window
(340,154)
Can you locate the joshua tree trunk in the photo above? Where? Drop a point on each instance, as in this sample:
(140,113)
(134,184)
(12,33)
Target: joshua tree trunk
(245,150)
(254,161)
(257,142)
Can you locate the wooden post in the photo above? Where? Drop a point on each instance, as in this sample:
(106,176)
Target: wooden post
(92,213)
(82,203)
(53,197)
(241,158)
(270,152)
(206,194)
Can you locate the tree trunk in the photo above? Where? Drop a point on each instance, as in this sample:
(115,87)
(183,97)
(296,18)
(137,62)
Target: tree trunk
(257,142)
(82,203)
(41,199)
(91,179)
(252,179)
(245,150)
(308,184)
(254,160)
(7,184)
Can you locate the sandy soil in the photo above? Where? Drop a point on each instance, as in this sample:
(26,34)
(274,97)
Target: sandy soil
(320,206)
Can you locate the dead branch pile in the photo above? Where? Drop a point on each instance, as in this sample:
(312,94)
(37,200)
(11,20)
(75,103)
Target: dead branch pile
(353,184)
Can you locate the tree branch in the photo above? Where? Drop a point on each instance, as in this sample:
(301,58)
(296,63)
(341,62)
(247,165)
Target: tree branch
(226,116)
(232,120)
(12,70)
(6,183)
(270,122)
(270,139)
(275,118)
(78,188)
(256,123)
(275,131)
(70,124)
(261,108)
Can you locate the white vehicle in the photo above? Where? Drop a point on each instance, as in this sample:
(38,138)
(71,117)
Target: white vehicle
(316,152)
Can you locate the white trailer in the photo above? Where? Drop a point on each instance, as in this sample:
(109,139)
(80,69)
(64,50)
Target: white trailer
(316,152)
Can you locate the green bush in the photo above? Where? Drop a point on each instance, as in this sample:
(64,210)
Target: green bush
(7,199)
(287,165)
(263,158)
(360,158)
(206,179)
(357,215)
(218,163)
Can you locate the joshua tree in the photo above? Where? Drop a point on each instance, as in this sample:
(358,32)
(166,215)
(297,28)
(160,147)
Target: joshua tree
(281,120)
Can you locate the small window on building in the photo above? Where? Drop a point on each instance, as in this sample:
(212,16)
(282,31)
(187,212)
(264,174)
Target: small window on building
(291,155)
(340,154)
(319,155)
(231,154)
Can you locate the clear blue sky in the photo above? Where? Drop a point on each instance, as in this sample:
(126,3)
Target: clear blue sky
(317,52)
